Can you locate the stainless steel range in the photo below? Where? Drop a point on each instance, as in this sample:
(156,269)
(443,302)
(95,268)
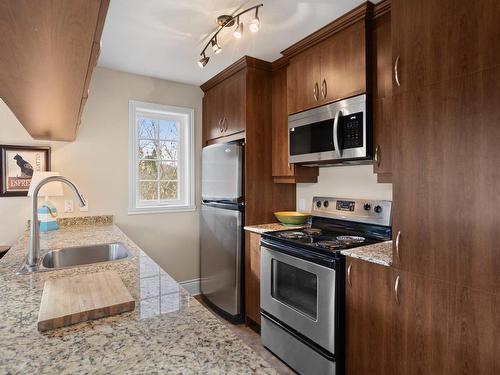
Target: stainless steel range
(302,281)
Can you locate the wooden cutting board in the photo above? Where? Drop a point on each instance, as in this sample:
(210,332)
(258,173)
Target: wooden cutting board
(80,298)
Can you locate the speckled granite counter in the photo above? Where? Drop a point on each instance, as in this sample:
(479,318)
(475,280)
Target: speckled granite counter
(168,332)
(272,227)
(380,253)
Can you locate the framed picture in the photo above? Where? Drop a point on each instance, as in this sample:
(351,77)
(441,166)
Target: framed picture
(17,164)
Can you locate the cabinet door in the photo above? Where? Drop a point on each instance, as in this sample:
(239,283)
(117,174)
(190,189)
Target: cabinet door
(303,81)
(475,333)
(343,64)
(421,317)
(213,115)
(382,94)
(368,318)
(446,175)
(441,40)
(252,276)
(233,96)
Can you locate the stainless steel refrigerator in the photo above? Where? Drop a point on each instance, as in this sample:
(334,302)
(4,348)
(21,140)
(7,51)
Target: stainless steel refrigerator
(222,218)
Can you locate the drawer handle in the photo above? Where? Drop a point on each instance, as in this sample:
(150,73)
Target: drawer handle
(316,91)
(396,290)
(349,274)
(323,88)
(377,156)
(398,238)
(396,73)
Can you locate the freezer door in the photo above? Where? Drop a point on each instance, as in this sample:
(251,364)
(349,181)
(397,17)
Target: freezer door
(221,231)
(222,171)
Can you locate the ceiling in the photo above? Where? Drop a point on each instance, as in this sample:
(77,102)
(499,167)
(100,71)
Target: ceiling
(164,38)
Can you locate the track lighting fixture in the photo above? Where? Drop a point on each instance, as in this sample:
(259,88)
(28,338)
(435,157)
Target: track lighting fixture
(229,21)
(254,24)
(203,61)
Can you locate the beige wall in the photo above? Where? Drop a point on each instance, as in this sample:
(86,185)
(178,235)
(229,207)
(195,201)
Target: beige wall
(355,181)
(98,163)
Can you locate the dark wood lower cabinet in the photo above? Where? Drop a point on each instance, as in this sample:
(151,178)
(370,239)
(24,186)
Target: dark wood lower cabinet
(368,299)
(401,323)
(252,277)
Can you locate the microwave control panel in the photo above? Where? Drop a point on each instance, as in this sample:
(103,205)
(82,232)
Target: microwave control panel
(352,130)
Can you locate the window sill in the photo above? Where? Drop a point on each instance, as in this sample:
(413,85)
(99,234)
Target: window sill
(160,210)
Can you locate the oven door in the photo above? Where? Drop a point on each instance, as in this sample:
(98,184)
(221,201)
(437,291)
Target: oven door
(300,294)
(332,133)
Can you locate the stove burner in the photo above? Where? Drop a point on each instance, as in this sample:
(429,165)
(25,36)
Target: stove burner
(350,239)
(313,231)
(329,245)
(293,235)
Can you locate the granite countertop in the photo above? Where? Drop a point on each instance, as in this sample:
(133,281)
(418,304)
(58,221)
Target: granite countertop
(380,253)
(271,227)
(168,332)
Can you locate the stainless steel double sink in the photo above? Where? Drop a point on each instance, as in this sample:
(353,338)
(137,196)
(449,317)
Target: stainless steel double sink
(81,255)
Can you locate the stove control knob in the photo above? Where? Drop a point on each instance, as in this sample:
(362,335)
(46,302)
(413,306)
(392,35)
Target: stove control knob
(326,203)
(377,209)
(367,207)
(318,204)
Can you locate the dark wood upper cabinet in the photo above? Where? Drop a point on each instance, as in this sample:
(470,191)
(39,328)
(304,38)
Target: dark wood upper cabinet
(343,64)
(381,68)
(330,64)
(233,109)
(446,180)
(435,41)
(213,112)
(368,318)
(303,80)
(49,50)
(283,171)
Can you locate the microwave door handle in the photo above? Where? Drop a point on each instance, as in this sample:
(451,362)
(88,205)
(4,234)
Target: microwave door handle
(338,151)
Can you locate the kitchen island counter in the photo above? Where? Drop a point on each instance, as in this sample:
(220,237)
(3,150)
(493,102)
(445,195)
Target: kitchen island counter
(168,332)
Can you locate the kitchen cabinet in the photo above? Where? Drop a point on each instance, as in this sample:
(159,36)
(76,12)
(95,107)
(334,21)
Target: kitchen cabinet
(440,41)
(446,181)
(283,171)
(328,71)
(225,107)
(45,75)
(421,317)
(368,318)
(252,277)
(381,67)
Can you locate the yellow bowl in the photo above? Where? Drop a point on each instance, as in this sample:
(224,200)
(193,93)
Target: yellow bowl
(292,217)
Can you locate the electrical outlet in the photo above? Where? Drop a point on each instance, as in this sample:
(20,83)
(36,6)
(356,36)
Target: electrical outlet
(68,205)
(85,208)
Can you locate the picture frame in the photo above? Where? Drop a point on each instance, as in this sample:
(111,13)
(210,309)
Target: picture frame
(17,164)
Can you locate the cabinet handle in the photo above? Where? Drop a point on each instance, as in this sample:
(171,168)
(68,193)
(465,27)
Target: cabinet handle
(396,73)
(376,157)
(398,238)
(316,91)
(396,290)
(323,88)
(224,124)
(349,274)
(220,125)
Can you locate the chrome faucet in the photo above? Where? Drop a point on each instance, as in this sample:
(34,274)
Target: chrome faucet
(34,244)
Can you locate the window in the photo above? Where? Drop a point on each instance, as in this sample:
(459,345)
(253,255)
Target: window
(161,158)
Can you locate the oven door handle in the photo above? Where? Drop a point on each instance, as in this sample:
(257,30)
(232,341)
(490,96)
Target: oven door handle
(314,258)
(338,151)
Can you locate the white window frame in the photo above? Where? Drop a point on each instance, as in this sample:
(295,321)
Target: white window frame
(185,158)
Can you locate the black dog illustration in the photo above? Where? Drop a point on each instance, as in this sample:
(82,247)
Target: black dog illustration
(26,168)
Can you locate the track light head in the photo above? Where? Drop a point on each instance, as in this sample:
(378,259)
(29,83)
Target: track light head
(203,61)
(215,46)
(238,32)
(255,23)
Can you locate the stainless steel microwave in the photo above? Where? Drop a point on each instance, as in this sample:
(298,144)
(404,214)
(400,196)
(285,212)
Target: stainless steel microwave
(336,133)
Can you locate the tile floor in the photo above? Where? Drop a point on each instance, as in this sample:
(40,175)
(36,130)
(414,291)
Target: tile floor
(252,339)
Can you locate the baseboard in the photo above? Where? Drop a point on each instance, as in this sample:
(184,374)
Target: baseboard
(192,286)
